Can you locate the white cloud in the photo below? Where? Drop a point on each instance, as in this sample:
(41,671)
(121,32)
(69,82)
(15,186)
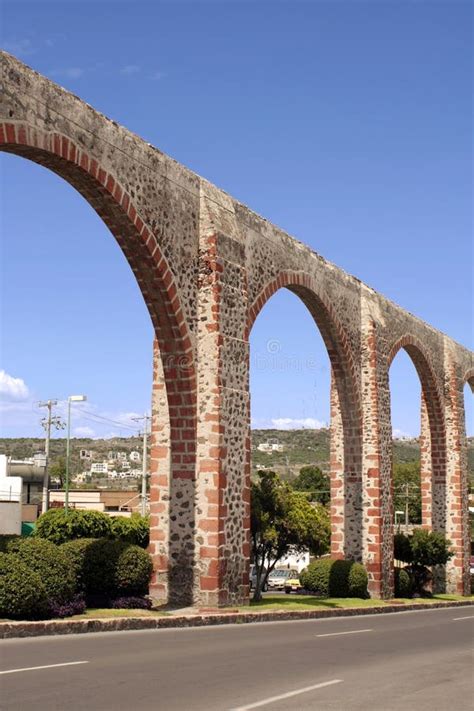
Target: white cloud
(67,72)
(13,388)
(290,423)
(129,69)
(399,434)
(84,432)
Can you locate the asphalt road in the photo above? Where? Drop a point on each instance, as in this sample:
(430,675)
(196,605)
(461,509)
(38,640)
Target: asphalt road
(410,661)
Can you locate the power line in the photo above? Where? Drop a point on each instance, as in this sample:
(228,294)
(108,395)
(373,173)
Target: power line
(109,420)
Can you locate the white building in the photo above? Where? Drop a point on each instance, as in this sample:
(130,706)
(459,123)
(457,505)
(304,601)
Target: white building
(99,468)
(21,484)
(269,447)
(135,456)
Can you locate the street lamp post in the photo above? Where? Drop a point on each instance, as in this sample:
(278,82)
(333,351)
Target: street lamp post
(71,398)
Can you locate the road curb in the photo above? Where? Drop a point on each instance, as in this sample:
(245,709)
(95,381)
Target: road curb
(9,630)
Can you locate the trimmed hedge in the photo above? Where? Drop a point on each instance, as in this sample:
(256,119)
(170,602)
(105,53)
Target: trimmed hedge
(50,563)
(107,569)
(335,578)
(94,561)
(403,583)
(5,539)
(358,581)
(315,577)
(135,529)
(22,593)
(59,526)
(133,571)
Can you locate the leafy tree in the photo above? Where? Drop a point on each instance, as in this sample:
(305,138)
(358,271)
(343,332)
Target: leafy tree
(283,519)
(312,480)
(406,481)
(57,470)
(422,550)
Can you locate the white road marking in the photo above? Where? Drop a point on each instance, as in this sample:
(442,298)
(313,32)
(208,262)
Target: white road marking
(288,695)
(336,634)
(469,617)
(45,666)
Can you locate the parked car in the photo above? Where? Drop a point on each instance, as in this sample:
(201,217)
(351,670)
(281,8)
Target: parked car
(253,579)
(293,585)
(277,578)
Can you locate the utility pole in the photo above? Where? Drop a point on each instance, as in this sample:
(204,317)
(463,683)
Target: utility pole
(146,419)
(47,422)
(407,494)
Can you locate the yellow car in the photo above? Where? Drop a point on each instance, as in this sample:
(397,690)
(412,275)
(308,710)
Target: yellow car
(293,585)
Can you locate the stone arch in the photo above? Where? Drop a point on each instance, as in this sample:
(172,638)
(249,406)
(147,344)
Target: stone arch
(432,434)
(346,417)
(469,378)
(115,206)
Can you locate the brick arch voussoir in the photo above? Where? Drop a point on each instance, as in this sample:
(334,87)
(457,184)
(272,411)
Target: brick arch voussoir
(114,205)
(332,332)
(468,378)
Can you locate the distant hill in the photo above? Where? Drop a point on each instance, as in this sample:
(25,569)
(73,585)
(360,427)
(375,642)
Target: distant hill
(300,448)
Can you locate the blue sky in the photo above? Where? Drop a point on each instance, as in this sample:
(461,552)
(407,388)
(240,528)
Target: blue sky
(348,124)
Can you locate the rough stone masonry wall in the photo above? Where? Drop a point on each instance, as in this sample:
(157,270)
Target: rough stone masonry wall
(206,265)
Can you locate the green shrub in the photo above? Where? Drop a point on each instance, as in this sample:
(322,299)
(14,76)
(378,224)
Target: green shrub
(59,525)
(94,561)
(50,563)
(358,581)
(106,569)
(335,578)
(135,529)
(133,571)
(95,524)
(315,577)
(422,550)
(403,583)
(402,548)
(22,593)
(5,540)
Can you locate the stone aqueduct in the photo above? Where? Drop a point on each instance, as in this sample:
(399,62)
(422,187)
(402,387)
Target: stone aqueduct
(206,265)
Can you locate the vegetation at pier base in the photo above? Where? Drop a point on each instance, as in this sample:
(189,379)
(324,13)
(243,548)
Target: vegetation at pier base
(22,594)
(107,569)
(41,580)
(283,519)
(335,578)
(422,550)
(51,564)
(403,583)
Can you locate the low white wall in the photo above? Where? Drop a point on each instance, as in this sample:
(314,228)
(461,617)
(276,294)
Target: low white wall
(10,518)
